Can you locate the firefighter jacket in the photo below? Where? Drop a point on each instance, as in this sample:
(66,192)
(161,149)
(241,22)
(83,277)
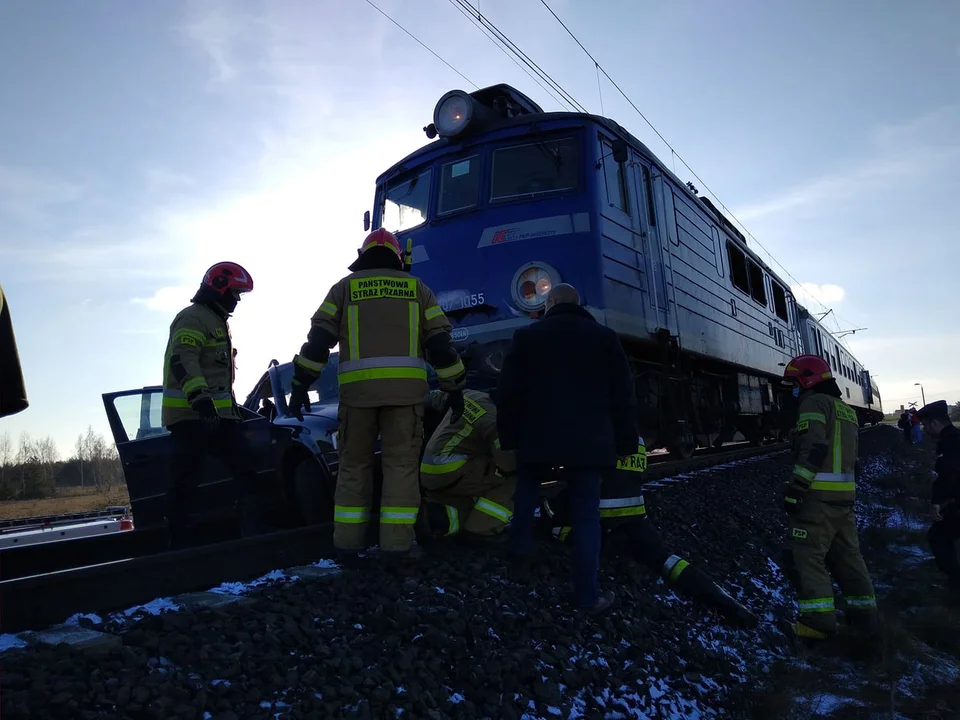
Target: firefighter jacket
(947,485)
(199,362)
(13,395)
(622,495)
(473,436)
(383,320)
(825,449)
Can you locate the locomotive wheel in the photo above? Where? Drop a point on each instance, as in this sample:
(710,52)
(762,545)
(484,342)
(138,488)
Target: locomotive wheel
(682,449)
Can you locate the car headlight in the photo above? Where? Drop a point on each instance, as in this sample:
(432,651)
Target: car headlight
(453,113)
(531,283)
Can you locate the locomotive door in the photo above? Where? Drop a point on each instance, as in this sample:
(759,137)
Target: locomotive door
(654,235)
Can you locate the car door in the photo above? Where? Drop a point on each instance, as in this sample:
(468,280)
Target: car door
(144,447)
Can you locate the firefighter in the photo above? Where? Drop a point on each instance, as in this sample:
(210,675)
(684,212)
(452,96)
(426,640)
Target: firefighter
(944,534)
(623,514)
(385,321)
(468,481)
(199,407)
(13,396)
(819,501)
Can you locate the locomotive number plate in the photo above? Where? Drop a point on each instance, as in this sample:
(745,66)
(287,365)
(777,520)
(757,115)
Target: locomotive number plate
(461,302)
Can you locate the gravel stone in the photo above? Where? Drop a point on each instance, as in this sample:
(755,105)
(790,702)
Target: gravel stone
(454,636)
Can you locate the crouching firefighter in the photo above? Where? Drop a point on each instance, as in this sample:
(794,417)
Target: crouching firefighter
(385,321)
(819,501)
(467,480)
(623,513)
(199,407)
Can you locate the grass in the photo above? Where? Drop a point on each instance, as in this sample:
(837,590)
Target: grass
(911,669)
(67,500)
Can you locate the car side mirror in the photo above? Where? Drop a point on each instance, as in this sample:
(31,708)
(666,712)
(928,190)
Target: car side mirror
(366,221)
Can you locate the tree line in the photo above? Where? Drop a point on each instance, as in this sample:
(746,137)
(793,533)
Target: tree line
(32,469)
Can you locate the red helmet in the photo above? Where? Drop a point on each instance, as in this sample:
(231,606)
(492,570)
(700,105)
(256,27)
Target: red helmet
(807,370)
(226,276)
(382,238)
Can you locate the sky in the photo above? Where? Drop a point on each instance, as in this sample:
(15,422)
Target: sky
(142,142)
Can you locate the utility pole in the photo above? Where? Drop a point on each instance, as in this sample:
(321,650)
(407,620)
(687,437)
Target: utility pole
(922,397)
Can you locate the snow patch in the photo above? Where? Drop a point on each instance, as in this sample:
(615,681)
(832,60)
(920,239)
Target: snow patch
(154,607)
(239,588)
(9,642)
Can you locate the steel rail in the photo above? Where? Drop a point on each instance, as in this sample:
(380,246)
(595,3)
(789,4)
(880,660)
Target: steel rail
(39,601)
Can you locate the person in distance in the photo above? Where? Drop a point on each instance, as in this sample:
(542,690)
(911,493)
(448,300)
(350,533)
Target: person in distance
(567,401)
(944,535)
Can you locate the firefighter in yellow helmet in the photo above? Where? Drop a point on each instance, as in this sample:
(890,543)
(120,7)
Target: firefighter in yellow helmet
(387,323)
(13,396)
(819,501)
(467,479)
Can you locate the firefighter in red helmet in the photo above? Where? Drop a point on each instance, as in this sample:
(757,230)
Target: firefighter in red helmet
(819,501)
(387,324)
(199,407)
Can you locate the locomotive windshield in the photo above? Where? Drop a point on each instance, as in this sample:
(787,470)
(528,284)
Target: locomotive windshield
(536,168)
(405,203)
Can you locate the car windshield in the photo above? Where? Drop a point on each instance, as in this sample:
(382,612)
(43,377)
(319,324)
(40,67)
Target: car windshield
(405,203)
(326,386)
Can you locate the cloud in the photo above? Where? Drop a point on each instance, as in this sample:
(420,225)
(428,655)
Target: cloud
(826,295)
(159,178)
(27,193)
(901,153)
(168,299)
(216,30)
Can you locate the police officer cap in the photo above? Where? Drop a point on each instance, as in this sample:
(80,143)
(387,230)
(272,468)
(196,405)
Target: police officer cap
(934,410)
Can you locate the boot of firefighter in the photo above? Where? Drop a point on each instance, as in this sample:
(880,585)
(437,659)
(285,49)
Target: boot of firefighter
(701,587)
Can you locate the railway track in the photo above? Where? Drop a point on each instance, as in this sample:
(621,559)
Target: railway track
(39,588)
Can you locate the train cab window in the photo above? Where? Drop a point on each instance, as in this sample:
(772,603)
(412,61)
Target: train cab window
(459,185)
(738,268)
(779,301)
(757,289)
(537,168)
(613,176)
(406,203)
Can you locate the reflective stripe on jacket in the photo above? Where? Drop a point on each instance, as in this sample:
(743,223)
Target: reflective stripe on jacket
(198,362)
(382,318)
(473,436)
(825,448)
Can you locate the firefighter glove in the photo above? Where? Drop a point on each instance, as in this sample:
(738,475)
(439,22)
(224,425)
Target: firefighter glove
(792,501)
(209,416)
(455,404)
(299,401)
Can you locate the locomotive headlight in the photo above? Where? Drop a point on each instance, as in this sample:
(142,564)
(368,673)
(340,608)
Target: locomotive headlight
(531,283)
(453,113)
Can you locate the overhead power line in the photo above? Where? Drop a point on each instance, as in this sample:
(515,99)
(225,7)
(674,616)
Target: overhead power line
(422,44)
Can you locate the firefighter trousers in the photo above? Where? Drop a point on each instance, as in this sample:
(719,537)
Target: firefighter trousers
(401,435)
(190,444)
(476,499)
(822,538)
(944,538)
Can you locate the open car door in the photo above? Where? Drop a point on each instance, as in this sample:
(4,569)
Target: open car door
(144,447)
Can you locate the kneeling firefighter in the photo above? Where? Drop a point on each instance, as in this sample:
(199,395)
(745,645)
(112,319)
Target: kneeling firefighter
(467,480)
(623,511)
(819,501)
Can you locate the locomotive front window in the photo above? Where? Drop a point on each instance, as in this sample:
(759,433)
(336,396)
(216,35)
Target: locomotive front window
(538,168)
(459,185)
(405,203)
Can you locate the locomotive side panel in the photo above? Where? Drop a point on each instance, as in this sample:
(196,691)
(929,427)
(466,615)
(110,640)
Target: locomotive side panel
(717,316)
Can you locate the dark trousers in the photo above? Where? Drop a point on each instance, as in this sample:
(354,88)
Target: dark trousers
(190,444)
(944,537)
(583,485)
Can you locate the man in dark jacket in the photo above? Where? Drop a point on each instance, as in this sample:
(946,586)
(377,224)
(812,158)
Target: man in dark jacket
(13,396)
(944,534)
(567,401)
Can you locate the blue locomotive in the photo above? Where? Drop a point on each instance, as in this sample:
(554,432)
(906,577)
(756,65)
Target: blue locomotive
(509,200)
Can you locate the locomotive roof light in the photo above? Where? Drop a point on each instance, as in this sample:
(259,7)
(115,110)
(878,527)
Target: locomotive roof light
(531,283)
(453,113)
